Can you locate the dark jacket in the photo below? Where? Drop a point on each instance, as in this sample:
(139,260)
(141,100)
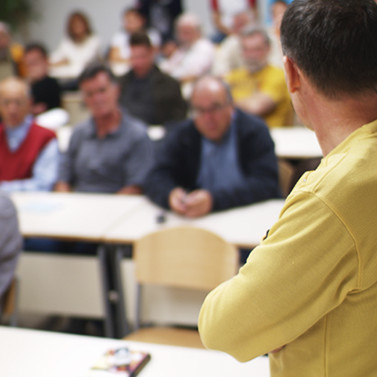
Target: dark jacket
(178,163)
(160,102)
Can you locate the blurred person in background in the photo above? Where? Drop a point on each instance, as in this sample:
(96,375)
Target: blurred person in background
(145,91)
(11,54)
(45,90)
(133,21)
(79,47)
(29,153)
(260,88)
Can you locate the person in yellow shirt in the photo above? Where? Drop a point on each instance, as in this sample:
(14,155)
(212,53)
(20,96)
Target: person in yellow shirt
(11,54)
(308,293)
(260,88)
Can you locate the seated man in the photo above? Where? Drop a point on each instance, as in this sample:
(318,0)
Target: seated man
(259,88)
(45,90)
(146,92)
(111,151)
(29,154)
(10,243)
(194,55)
(221,158)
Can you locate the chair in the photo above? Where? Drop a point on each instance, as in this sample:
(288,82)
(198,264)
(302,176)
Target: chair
(286,172)
(184,257)
(9,303)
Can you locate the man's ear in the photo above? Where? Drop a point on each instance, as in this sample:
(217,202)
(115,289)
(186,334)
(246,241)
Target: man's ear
(292,75)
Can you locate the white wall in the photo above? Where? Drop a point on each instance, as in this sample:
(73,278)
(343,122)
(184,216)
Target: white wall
(105,16)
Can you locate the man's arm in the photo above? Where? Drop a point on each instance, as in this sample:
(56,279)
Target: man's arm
(296,276)
(137,165)
(44,174)
(10,242)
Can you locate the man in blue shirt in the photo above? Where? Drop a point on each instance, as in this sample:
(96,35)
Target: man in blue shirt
(219,159)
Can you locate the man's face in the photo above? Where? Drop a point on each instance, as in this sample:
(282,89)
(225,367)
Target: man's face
(133,22)
(100,95)
(255,51)
(212,111)
(187,34)
(14,103)
(36,65)
(142,60)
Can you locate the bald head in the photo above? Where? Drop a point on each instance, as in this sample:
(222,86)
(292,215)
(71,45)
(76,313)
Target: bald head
(212,107)
(14,101)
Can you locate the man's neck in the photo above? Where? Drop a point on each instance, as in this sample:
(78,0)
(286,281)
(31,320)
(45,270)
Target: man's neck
(333,121)
(107,123)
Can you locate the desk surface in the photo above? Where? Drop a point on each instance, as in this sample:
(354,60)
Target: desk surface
(36,353)
(243,227)
(71,215)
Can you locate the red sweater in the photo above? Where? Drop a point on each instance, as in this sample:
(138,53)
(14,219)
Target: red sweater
(19,163)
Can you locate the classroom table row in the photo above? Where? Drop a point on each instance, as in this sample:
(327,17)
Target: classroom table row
(296,143)
(35,353)
(113,221)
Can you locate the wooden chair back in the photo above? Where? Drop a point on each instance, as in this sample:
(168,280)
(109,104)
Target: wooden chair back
(186,257)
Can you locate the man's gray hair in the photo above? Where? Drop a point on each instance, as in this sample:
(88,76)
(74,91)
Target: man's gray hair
(250,30)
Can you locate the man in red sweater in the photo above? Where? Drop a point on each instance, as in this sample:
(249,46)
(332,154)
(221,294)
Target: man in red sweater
(28,153)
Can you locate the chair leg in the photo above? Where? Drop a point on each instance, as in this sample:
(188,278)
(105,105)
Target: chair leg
(137,307)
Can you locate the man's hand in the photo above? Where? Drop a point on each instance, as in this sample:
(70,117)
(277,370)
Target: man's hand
(177,200)
(195,204)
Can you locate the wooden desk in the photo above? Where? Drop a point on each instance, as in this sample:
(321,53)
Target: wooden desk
(243,226)
(295,143)
(35,353)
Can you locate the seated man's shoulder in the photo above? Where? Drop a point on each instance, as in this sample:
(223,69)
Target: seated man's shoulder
(7,208)
(134,125)
(250,122)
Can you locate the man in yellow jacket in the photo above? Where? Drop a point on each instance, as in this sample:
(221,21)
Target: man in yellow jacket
(308,294)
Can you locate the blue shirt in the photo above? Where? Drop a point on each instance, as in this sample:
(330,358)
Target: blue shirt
(219,166)
(45,169)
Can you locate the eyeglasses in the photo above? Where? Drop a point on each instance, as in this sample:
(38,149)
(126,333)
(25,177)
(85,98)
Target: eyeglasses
(199,111)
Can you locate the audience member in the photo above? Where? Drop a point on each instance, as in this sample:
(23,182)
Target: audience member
(10,243)
(11,54)
(194,55)
(221,158)
(223,12)
(79,47)
(161,15)
(28,153)
(229,52)
(119,53)
(260,88)
(110,152)
(146,92)
(278,9)
(309,291)
(45,90)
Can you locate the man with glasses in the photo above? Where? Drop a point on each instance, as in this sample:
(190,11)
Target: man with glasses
(29,153)
(219,159)
(110,152)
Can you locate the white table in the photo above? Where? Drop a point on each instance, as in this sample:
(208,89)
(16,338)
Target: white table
(295,143)
(78,217)
(75,216)
(243,226)
(34,353)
